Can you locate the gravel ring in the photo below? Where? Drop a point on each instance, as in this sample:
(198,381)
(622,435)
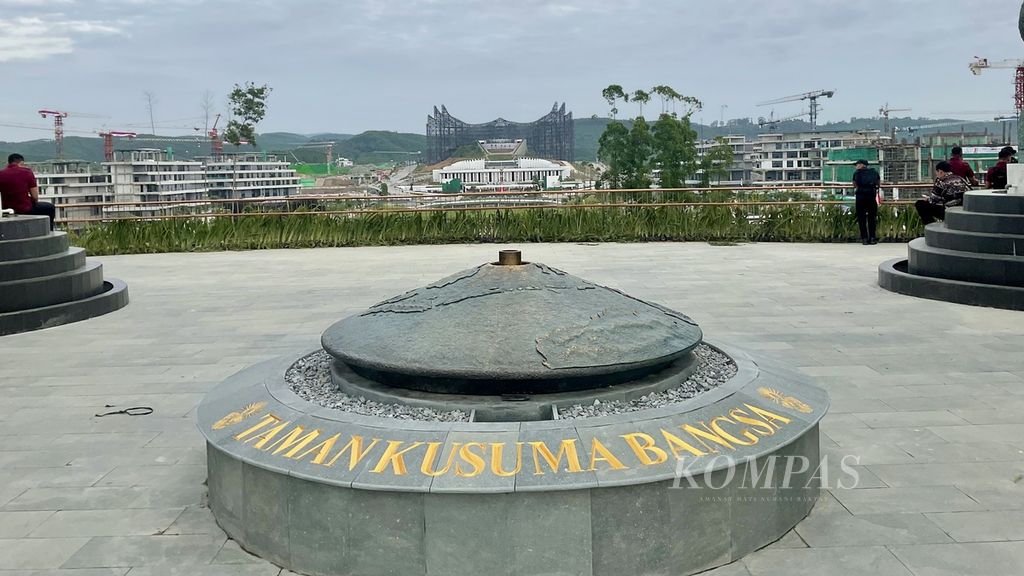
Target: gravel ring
(310,378)
(713,369)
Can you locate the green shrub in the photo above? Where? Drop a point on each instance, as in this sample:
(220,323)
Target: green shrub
(574,223)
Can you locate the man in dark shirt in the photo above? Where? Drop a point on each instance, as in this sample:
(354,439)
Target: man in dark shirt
(948,191)
(961,168)
(865,184)
(20,192)
(995,178)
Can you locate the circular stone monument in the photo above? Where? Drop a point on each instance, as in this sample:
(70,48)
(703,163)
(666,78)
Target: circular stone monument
(517,489)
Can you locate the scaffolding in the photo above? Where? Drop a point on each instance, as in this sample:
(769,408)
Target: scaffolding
(550,137)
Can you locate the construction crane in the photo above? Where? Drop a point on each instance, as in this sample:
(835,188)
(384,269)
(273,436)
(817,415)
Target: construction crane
(981,64)
(811,96)
(1005,121)
(58,125)
(937,125)
(884,112)
(216,144)
(108,142)
(771,122)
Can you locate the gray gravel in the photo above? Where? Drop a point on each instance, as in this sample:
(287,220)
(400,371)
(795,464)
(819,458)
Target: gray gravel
(310,378)
(713,370)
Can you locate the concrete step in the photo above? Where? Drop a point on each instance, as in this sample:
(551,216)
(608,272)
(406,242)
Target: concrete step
(30,293)
(940,236)
(18,227)
(112,296)
(996,269)
(70,259)
(992,203)
(959,219)
(894,276)
(26,248)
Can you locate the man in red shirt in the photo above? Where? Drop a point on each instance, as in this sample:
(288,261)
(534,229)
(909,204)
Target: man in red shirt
(961,168)
(19,191)
(996,175)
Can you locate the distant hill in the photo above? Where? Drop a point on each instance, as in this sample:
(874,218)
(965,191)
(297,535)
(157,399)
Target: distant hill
(377,146)
(368,147)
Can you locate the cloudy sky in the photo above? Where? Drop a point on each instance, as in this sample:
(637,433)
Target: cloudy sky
(354,65)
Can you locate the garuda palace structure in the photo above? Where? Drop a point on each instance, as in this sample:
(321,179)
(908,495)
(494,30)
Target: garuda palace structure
(550,137)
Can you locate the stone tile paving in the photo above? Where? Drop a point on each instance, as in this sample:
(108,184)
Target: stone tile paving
(927,395)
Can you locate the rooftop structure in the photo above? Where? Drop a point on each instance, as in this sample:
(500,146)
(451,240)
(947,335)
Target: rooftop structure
(518,173)
(551,136)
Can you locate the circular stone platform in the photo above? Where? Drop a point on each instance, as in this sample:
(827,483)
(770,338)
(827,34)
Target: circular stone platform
(45,283)
(975,257)
(667,491)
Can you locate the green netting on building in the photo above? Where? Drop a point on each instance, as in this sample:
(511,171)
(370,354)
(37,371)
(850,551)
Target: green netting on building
(839,164)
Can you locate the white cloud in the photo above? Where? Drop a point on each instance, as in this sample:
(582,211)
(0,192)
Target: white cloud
(35,3)
(40,37)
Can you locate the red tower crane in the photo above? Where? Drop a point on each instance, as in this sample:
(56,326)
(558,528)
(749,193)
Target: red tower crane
(216,144)
(108,142)
(981,64)
(58,126)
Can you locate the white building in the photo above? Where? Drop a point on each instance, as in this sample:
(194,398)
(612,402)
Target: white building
(741,170)
(235,176)
(67,184)
(492,174)
(152,176)
(800,157)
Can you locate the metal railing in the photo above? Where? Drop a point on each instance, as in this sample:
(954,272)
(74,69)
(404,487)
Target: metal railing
(326,203)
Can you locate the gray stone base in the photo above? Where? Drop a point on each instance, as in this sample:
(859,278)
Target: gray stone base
(894,276)
(661,528)
(113,297)
(44,282)
(666,491)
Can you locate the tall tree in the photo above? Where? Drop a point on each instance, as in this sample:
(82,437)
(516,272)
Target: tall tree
(612,149)
(612,94)
(248,105)
(675,150)
(637,170)
(206,104)
(641,97)
(716,162)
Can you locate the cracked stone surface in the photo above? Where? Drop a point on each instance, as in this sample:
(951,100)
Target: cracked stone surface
(528,322)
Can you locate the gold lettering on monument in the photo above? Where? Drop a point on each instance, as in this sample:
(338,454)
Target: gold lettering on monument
(783,400)
(567,448)
(740,426)
(236,417)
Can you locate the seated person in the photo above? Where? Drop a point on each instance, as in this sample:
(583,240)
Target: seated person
(962,168)
(995,178)
(948,191)
(19,191)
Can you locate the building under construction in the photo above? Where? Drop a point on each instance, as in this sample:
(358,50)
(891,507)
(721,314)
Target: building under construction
(550,137)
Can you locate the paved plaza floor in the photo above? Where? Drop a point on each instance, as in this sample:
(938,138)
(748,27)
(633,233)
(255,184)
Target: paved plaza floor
(929,396)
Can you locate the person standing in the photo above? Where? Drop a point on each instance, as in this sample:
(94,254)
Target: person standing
(961,168)
(947,192)
(995,178)
(20,192)
(866,183)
